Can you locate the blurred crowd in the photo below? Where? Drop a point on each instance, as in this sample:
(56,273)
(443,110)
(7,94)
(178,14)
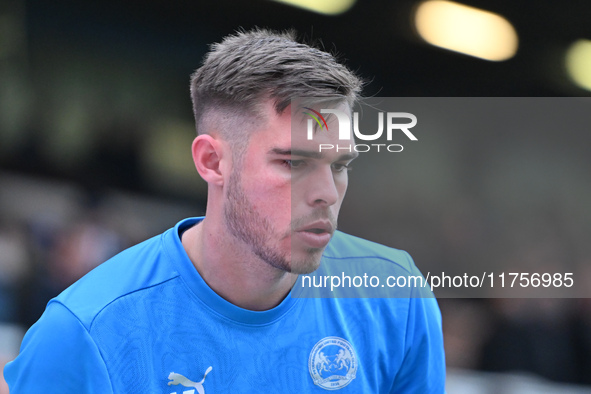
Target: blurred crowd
(52,233)
(41,257)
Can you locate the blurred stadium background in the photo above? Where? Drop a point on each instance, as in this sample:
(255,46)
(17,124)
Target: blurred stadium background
(96,124)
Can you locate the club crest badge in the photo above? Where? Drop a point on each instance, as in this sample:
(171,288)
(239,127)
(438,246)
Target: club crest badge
(332,363)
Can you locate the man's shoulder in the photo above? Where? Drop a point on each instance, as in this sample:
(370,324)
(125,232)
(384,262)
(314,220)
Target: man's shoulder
(346,247)
(137,268)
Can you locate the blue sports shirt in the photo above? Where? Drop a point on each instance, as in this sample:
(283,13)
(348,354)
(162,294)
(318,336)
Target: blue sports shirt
(146,322)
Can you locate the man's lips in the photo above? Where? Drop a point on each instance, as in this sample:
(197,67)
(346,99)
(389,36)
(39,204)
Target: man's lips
(318,227)
(316,234)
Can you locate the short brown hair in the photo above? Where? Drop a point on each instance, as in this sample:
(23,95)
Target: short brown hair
(248,68)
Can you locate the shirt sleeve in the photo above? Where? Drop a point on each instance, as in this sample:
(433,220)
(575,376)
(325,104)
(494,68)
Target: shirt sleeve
(423,367)
(58,355)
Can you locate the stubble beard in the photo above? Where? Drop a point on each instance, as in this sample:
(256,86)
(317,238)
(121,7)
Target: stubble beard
(248,226)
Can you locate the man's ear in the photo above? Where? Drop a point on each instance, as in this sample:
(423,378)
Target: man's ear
(209,156)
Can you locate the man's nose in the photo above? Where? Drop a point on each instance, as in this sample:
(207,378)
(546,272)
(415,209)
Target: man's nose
(322,188)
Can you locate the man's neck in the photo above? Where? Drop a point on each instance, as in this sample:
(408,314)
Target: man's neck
(233,271)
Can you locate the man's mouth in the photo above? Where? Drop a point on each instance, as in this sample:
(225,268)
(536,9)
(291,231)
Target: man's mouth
(317,234)
(318,227)
(315,230)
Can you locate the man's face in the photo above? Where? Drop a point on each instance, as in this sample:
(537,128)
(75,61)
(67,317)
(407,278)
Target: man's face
(284,197)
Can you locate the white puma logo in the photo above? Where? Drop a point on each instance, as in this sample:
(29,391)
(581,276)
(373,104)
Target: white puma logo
(176,379)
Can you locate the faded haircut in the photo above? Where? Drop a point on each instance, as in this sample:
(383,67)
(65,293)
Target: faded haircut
(248,68)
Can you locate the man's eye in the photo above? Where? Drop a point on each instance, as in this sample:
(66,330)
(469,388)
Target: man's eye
(294,163)
(342,167)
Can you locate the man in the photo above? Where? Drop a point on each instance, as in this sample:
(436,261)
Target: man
(206,306)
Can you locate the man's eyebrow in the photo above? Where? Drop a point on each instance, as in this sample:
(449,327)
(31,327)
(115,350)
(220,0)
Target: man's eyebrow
(297,152)
(348,156)
(311,154)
